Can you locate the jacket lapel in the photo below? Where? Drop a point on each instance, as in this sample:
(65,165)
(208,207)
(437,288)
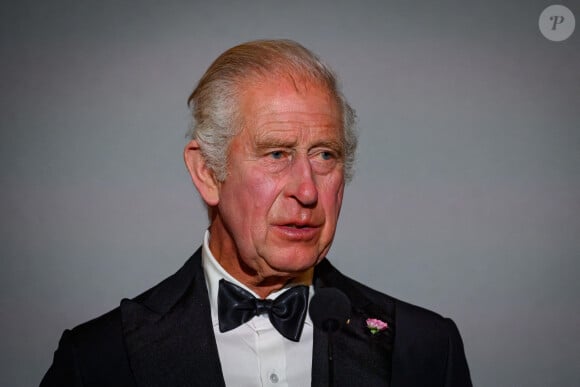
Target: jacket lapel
(360,358)
(169,335)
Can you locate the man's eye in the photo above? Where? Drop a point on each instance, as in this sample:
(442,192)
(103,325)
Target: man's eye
(326,155)
(276,154)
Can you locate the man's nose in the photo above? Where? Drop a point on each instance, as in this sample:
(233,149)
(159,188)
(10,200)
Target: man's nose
(302,182)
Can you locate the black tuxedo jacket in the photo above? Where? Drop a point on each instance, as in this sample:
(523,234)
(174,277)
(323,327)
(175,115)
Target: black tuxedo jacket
(165,338)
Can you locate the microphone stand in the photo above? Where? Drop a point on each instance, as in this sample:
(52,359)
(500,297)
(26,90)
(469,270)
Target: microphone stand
(329,309)
(331,326)
(330,361)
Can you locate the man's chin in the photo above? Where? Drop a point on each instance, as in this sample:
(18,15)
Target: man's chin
(292,267)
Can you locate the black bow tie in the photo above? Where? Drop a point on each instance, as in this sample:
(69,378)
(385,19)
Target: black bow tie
(287,312)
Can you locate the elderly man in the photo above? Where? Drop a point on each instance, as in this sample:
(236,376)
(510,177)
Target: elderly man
(271,150)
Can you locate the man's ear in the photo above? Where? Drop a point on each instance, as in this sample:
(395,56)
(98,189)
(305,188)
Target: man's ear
(203,178)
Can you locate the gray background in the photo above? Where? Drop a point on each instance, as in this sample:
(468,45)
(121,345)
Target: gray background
(466,198)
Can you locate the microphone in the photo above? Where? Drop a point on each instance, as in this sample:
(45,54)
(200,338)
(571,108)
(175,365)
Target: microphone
(329,309)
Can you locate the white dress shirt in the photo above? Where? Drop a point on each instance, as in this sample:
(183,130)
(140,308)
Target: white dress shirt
(255,353)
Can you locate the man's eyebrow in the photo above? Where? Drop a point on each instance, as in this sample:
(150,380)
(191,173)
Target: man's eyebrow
(267,142)
(332,144)
(274,142)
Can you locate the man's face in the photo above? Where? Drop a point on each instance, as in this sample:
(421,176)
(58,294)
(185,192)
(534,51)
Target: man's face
(279,204)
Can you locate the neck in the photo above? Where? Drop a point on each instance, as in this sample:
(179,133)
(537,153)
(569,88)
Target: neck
(255,273)
(264,285)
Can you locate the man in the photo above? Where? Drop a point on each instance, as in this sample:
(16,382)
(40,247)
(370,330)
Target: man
(272,148)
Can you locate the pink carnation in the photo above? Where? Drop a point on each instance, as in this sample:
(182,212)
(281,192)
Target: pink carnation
(376,325)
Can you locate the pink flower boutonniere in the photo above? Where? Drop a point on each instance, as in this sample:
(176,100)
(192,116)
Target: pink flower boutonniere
(375,325)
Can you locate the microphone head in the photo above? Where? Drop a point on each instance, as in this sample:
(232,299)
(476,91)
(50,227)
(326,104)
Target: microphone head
(329,309)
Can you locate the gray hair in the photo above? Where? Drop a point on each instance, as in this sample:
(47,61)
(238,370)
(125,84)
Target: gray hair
(214,102)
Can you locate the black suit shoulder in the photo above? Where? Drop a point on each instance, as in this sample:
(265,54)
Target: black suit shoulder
(88,349)
(94,353)
(424,337)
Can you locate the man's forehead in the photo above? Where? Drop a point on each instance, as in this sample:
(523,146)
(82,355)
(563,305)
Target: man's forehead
(285,109)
